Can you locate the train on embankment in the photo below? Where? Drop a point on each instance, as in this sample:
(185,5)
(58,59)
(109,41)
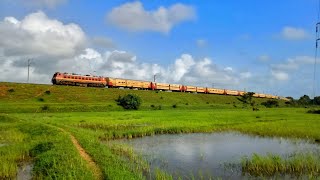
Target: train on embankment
(72,79)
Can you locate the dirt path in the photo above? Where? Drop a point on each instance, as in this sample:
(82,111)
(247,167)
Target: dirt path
(92,165)
(95,169)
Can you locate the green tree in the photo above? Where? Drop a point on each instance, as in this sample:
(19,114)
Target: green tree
(270,103)
(291,102)
(316,100)
(304,100)
(246,99)
(129,101)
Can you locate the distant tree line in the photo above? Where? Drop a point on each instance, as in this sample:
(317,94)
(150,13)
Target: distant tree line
(303,101)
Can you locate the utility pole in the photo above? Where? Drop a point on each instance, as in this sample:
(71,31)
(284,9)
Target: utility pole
(316,54)
(154,78)
(29,64)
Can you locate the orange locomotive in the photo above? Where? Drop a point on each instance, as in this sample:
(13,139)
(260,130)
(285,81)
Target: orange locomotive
(78,80)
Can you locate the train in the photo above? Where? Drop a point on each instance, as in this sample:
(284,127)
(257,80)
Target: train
(72,79)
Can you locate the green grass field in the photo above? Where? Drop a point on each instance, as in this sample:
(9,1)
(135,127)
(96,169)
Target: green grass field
(36,122)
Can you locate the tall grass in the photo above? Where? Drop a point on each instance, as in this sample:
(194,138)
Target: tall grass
(272,164)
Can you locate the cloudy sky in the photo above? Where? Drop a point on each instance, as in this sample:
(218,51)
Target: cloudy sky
(263,46)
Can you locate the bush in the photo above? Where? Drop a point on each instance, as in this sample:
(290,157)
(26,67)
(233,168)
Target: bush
(314,111)
(270,103)
(159,107)
(41,148)
(129,101)
(45,108)
(11,90)
(40,99)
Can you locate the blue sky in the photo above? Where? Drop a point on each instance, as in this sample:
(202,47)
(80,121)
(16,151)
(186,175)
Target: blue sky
(263,46)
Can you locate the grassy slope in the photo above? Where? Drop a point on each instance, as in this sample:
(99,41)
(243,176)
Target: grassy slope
(63,98)
(92,116)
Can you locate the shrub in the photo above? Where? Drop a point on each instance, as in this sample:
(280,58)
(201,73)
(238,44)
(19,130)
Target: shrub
(47,92)
(270,103)
(40,99)
(10,90)
(41,148)
(129,101)
(156,107)
(45,108)
(314,111)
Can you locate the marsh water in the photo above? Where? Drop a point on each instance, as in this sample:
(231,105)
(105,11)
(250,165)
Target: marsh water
(24,171)
(211,155)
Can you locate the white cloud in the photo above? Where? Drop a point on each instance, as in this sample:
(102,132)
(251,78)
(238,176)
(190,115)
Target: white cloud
(182,66)
(291,66)
(90,54)
(293,63)
(245,75)
(292,33)
(229,69)
(50,43)
(133,17)
(37,34)
(279,75)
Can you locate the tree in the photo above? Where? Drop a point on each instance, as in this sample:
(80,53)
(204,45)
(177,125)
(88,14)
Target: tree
(129,101)
(246,99)
(316,100)
(291,102)
(270,103)
(304,100)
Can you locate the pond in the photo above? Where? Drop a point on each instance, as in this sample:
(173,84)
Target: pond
(210,155)
(24,171)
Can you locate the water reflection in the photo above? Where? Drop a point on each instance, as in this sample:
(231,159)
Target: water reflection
(25,171)
(206,155)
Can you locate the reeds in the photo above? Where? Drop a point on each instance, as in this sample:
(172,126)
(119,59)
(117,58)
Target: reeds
(271,165)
